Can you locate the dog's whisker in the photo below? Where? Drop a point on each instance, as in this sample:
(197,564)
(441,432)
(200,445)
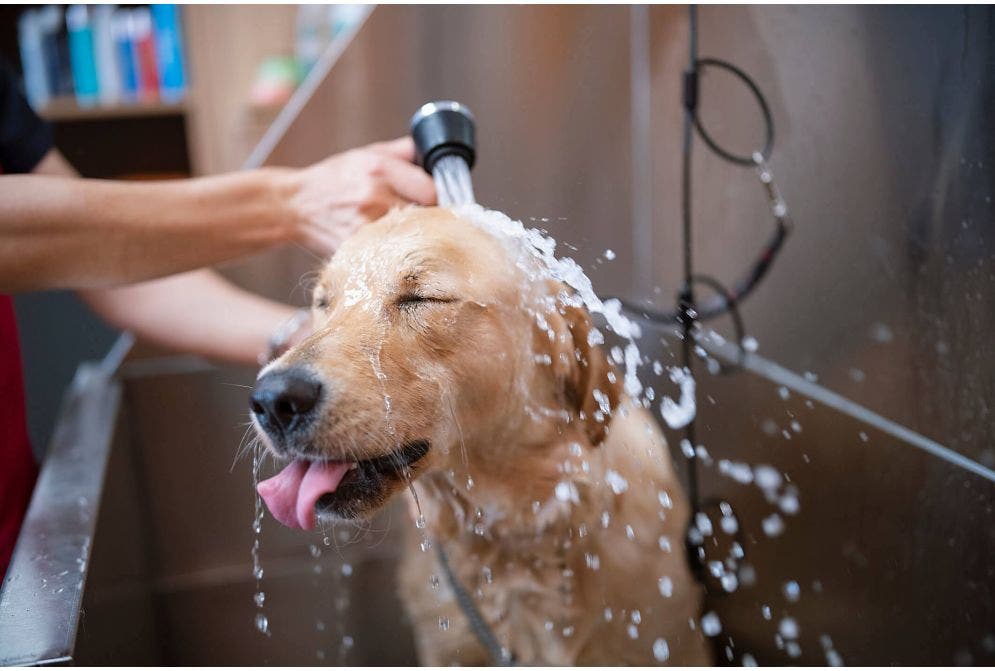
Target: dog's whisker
(247,443)
(459,429)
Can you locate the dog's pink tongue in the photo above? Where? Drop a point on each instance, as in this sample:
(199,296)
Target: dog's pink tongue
(292,494)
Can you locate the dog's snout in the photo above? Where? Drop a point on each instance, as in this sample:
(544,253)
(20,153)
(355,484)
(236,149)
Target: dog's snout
(282,398)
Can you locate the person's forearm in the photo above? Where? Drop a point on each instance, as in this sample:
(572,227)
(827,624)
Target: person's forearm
(61,232)
(198,312)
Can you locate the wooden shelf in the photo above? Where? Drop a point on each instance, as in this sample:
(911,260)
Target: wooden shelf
(64,108)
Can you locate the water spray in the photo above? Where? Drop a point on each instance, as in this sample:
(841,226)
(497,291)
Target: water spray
(445,145)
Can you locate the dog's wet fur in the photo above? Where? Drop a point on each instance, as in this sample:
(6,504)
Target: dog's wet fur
(423,344)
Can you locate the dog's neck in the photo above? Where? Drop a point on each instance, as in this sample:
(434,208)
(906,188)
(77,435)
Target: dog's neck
(517,505)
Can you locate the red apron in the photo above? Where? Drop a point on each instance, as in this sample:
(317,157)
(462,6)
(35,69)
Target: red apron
(17,465)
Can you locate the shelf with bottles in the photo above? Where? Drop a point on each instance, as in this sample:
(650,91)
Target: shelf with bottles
(91,62)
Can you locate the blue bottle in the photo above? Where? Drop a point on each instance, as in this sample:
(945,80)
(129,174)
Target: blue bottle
(169,52)
(125,55)
(81,56)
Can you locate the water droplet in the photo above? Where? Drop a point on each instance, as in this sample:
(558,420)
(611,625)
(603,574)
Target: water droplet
(348,642)
(616,482)
(785,395)
(748,660)
(347,570)
(315,551)
(792,592)
(444,623)
(789,504)
(568,631)
(678,414)
(788,628)
(567,492)
(750,344)
(666,587)
(433,580)
(710,624)
(765,611)
(661,651)
(863,436)
(767,477)
(259,598)
(703,523)
(664,499)
(610,255)
(633,631)
(608,615)
(262,623)
(773,525)
(420,522)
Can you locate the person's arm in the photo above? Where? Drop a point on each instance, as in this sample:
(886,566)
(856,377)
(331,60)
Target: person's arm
(198,312)
(59,232)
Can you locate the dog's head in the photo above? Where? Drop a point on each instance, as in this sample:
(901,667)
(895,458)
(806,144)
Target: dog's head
(426,355)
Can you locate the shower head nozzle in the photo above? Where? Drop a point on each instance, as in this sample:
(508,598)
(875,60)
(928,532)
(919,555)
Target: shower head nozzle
(443,128)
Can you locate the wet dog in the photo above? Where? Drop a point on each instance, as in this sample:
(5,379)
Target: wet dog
(440,358)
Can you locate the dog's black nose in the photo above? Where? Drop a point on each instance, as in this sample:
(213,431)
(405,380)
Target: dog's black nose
(282,398)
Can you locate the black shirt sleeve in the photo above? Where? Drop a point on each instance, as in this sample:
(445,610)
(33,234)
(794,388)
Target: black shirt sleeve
(24,138)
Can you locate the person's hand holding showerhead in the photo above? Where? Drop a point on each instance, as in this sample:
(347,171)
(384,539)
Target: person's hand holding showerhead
(333,198)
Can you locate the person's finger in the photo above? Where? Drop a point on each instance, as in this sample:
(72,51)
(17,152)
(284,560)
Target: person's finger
(402,148)
(383,199)
(409,181)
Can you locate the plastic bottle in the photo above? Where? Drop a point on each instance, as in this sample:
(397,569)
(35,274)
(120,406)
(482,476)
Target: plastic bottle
(81,56)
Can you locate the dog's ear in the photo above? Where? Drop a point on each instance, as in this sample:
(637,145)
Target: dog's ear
(590,385)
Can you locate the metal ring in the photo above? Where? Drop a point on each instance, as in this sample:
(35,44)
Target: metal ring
(764,109)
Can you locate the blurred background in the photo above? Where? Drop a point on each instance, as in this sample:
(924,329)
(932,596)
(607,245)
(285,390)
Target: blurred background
(884,294)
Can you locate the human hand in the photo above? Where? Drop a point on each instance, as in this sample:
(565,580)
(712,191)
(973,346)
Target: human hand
(333,198)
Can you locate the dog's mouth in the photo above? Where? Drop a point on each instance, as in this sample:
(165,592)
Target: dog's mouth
(306,488)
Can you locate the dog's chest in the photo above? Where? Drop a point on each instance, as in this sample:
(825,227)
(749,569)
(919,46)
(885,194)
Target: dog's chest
(530,599)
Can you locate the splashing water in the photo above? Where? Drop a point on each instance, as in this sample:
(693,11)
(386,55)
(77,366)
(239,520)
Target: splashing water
(679,414)
(534,254)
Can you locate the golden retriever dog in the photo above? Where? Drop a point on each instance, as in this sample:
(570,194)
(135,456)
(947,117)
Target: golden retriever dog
(440,370)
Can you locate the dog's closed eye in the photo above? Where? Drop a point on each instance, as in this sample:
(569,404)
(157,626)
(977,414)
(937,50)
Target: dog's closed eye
(412,301)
